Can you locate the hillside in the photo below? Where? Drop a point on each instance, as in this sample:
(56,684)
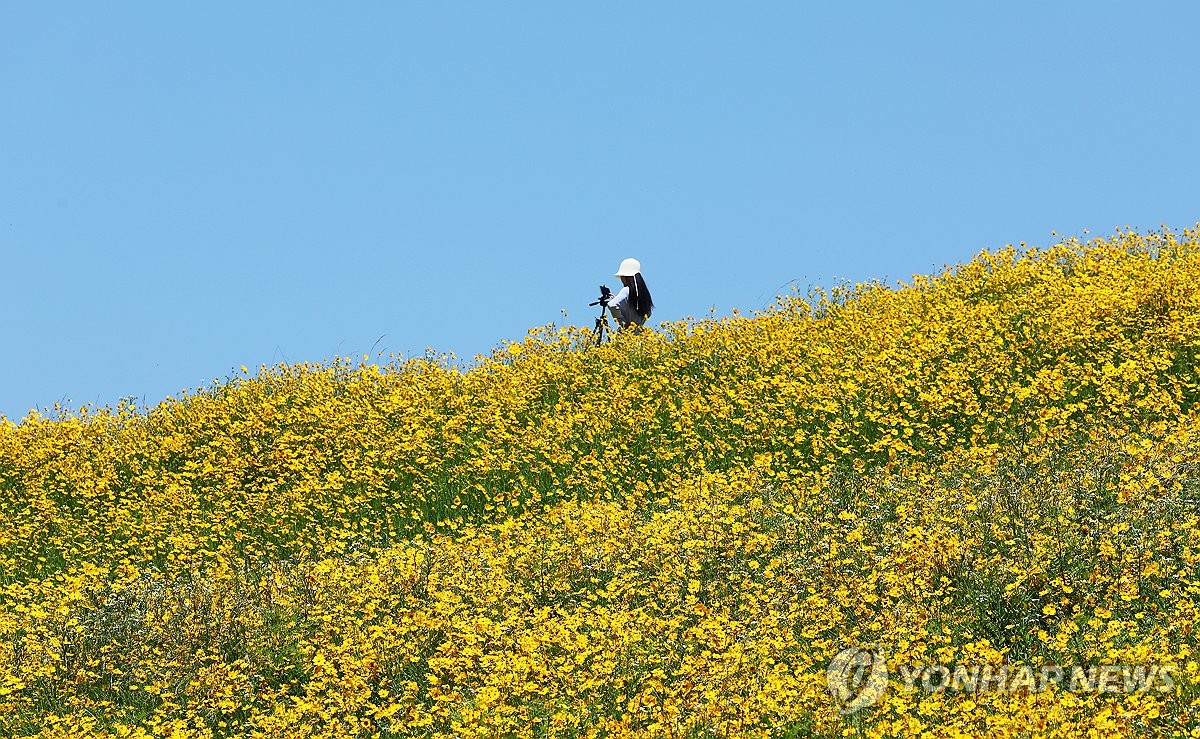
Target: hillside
(675,533)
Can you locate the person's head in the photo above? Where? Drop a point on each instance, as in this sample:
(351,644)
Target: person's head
(630,273)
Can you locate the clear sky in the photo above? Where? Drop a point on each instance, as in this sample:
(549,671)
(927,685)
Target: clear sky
(186,188)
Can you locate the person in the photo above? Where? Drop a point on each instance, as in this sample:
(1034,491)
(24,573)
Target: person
(633,305)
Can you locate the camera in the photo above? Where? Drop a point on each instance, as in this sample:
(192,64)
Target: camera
(605,296)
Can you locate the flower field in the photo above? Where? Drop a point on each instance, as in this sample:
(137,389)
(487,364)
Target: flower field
(673,534)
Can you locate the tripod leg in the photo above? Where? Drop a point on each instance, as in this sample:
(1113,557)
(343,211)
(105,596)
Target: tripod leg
(601,325)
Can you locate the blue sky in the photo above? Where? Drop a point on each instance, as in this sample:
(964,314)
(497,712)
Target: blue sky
(186,188)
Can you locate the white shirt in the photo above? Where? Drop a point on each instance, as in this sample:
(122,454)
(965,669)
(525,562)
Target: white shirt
(623,310)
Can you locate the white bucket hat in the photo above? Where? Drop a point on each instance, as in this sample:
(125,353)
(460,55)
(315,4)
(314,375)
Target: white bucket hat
(629,268)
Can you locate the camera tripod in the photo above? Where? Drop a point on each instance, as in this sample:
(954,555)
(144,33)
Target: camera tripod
(602,320)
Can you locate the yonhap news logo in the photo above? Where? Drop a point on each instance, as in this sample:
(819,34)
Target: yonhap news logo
(858,677)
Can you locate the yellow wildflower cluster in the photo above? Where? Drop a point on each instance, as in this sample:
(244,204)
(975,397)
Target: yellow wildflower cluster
(988,472)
